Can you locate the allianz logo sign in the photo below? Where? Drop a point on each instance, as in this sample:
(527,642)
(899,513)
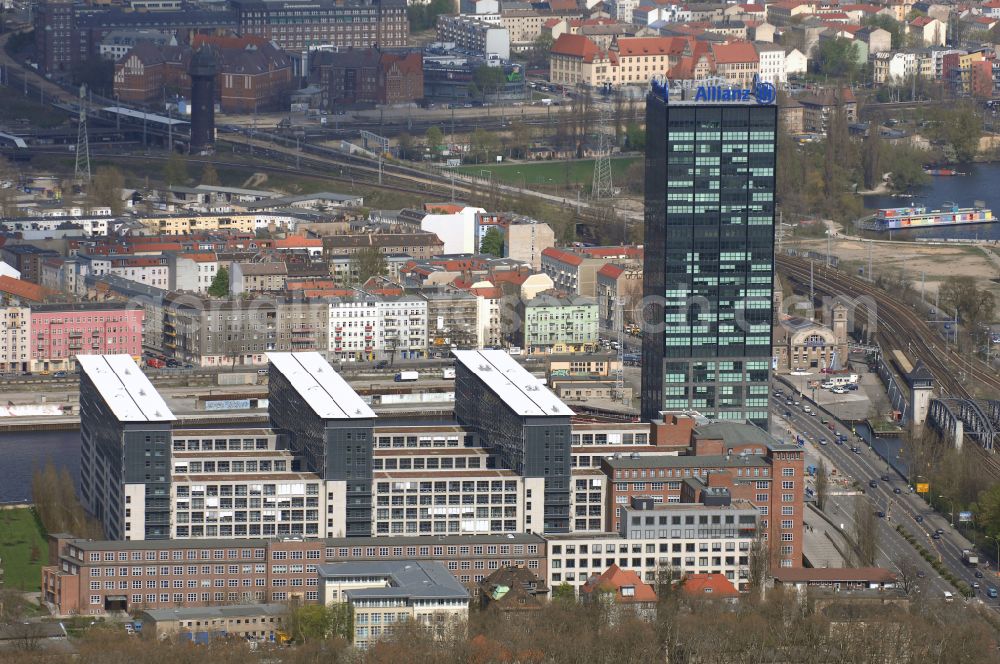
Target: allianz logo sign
(761,91)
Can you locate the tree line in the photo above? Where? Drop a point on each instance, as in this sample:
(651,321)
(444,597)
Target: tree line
(782,626)
(57,506)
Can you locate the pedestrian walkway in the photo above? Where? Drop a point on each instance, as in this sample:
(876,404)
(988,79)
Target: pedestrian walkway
(819,536)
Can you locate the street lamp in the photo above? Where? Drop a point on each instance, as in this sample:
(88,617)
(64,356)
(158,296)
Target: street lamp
(997,541)
(951,503)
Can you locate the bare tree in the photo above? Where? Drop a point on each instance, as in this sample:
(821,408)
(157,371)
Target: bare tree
(906,575)
(759,560)
(822,484)
(865,532)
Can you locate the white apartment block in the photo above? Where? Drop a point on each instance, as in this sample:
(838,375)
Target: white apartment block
(15,339)
(772,63)
(240,483)
(354,327)
(402,325)
(575,557)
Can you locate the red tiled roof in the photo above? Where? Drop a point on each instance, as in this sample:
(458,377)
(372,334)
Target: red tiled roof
(867,9)
(552,22)
(298,242)
(921,21)
(752,8)
(985,20)
(562,256)
(155,246)
(734,53)
(614,579)
(651,46)
(834,574)
(490,293)
(515,278)
(709,585)
(563,5)
(202,257)
(577,46)
(22,289)
(611,270)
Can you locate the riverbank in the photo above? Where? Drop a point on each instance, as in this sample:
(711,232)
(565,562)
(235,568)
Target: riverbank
(23,549)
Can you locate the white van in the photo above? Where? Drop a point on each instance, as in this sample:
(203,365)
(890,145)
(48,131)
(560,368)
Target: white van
(948,597)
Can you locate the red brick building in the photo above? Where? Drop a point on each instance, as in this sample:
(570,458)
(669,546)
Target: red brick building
(253,73)
(367,77)
(739,457)
(93,577)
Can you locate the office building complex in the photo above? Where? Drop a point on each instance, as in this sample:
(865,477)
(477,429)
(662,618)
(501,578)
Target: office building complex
(525,426)
(125,430)
(709,251)
(330,427)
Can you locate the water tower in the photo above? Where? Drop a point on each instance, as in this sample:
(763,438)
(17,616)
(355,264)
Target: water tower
(203,70)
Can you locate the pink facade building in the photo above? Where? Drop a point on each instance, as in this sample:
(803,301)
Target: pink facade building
(61,332)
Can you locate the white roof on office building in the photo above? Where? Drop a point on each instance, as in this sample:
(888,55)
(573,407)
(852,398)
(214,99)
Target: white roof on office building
(525,394)
(125,388)
(319,384)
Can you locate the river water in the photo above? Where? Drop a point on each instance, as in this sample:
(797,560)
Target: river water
(22,453)
(981,183)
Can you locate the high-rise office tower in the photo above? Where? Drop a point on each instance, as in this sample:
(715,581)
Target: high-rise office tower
(709,252)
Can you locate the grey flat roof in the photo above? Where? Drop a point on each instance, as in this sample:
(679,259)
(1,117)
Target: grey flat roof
(523,393)
(209,612)
(125,388)
(419,540)
(406,578)
(739,433)
(319,384)
(666,461)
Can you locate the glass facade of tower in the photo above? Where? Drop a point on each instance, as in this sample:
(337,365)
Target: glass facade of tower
(709,257)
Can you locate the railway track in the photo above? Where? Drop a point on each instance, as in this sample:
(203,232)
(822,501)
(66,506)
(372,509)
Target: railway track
(899,327)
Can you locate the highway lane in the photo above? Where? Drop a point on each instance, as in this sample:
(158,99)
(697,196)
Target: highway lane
(902,508)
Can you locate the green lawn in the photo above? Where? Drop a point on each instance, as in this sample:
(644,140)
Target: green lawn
(550,173)
(23,550)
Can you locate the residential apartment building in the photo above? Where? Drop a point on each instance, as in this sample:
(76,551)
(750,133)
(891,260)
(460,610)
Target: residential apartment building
(193,272)
(26,259)
(525,242)
(619,296)
(403,325)
(526,25)
(269,277)
(87,577)
(476,34)
(772,63)
(553,324)
(59,333)
(415,245)
(354,327)
(15,339)
(452,319)
(209,332)
(489,324)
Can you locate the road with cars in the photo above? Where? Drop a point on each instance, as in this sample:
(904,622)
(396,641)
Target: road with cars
(891,495)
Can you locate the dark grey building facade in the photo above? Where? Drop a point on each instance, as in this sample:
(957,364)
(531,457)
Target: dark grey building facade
(525,427)
(709,257)
(330,429)
(125,431)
